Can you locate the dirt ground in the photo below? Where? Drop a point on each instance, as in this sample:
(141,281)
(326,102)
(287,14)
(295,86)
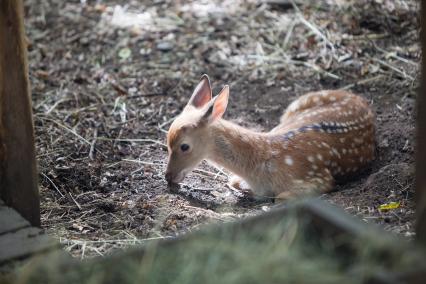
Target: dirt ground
(108,77)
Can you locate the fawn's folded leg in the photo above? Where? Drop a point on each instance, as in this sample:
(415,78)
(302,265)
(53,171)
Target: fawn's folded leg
(240,184)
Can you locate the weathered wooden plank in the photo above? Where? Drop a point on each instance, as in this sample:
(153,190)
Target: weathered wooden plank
(57,257)
(23,243)
(10,220)
(18,174)
(421,140)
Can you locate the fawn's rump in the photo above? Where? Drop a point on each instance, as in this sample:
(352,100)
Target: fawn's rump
(327,131)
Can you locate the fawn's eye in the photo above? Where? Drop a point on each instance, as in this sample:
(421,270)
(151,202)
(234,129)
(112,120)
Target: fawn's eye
(184,147)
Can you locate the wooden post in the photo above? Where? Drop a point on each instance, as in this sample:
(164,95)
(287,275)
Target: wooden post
(421,142)
(18,173)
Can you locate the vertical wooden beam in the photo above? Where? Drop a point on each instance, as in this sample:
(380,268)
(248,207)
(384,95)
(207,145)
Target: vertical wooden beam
(18,173)
(421,141)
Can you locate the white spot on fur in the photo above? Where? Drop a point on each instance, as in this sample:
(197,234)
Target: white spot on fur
(335,151)
(289,160)
(245,138)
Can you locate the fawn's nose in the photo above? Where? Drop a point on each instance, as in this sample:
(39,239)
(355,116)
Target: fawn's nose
(169,177)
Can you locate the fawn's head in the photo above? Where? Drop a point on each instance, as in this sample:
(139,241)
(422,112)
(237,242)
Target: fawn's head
(188,139)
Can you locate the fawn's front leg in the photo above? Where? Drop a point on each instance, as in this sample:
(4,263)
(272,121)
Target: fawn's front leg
(239,184)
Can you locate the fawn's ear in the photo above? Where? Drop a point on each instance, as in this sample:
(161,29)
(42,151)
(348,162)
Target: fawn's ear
(202,93)
(216,108)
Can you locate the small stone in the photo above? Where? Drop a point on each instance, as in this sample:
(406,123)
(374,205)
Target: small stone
(165,46)
(145,51)
(84,41)
(384,143)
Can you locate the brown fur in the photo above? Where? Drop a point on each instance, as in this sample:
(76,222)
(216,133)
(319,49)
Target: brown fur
(321,135)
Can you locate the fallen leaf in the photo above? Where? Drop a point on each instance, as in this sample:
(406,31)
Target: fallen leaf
(389,206)
(124,53)
(42,74)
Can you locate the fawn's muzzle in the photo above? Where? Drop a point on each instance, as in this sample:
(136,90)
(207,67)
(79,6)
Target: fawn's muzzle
(169,177)
(175,178)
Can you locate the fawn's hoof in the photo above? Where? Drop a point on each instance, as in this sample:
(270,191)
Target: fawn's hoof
(239,184)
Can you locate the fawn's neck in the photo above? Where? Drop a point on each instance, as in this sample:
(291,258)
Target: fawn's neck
(236,148)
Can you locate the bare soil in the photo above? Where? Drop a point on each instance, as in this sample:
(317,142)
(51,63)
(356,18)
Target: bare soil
(109,76)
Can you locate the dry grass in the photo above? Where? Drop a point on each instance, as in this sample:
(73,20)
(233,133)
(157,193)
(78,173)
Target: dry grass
(285,252)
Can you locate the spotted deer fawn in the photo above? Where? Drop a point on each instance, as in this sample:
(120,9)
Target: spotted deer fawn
(321,136)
